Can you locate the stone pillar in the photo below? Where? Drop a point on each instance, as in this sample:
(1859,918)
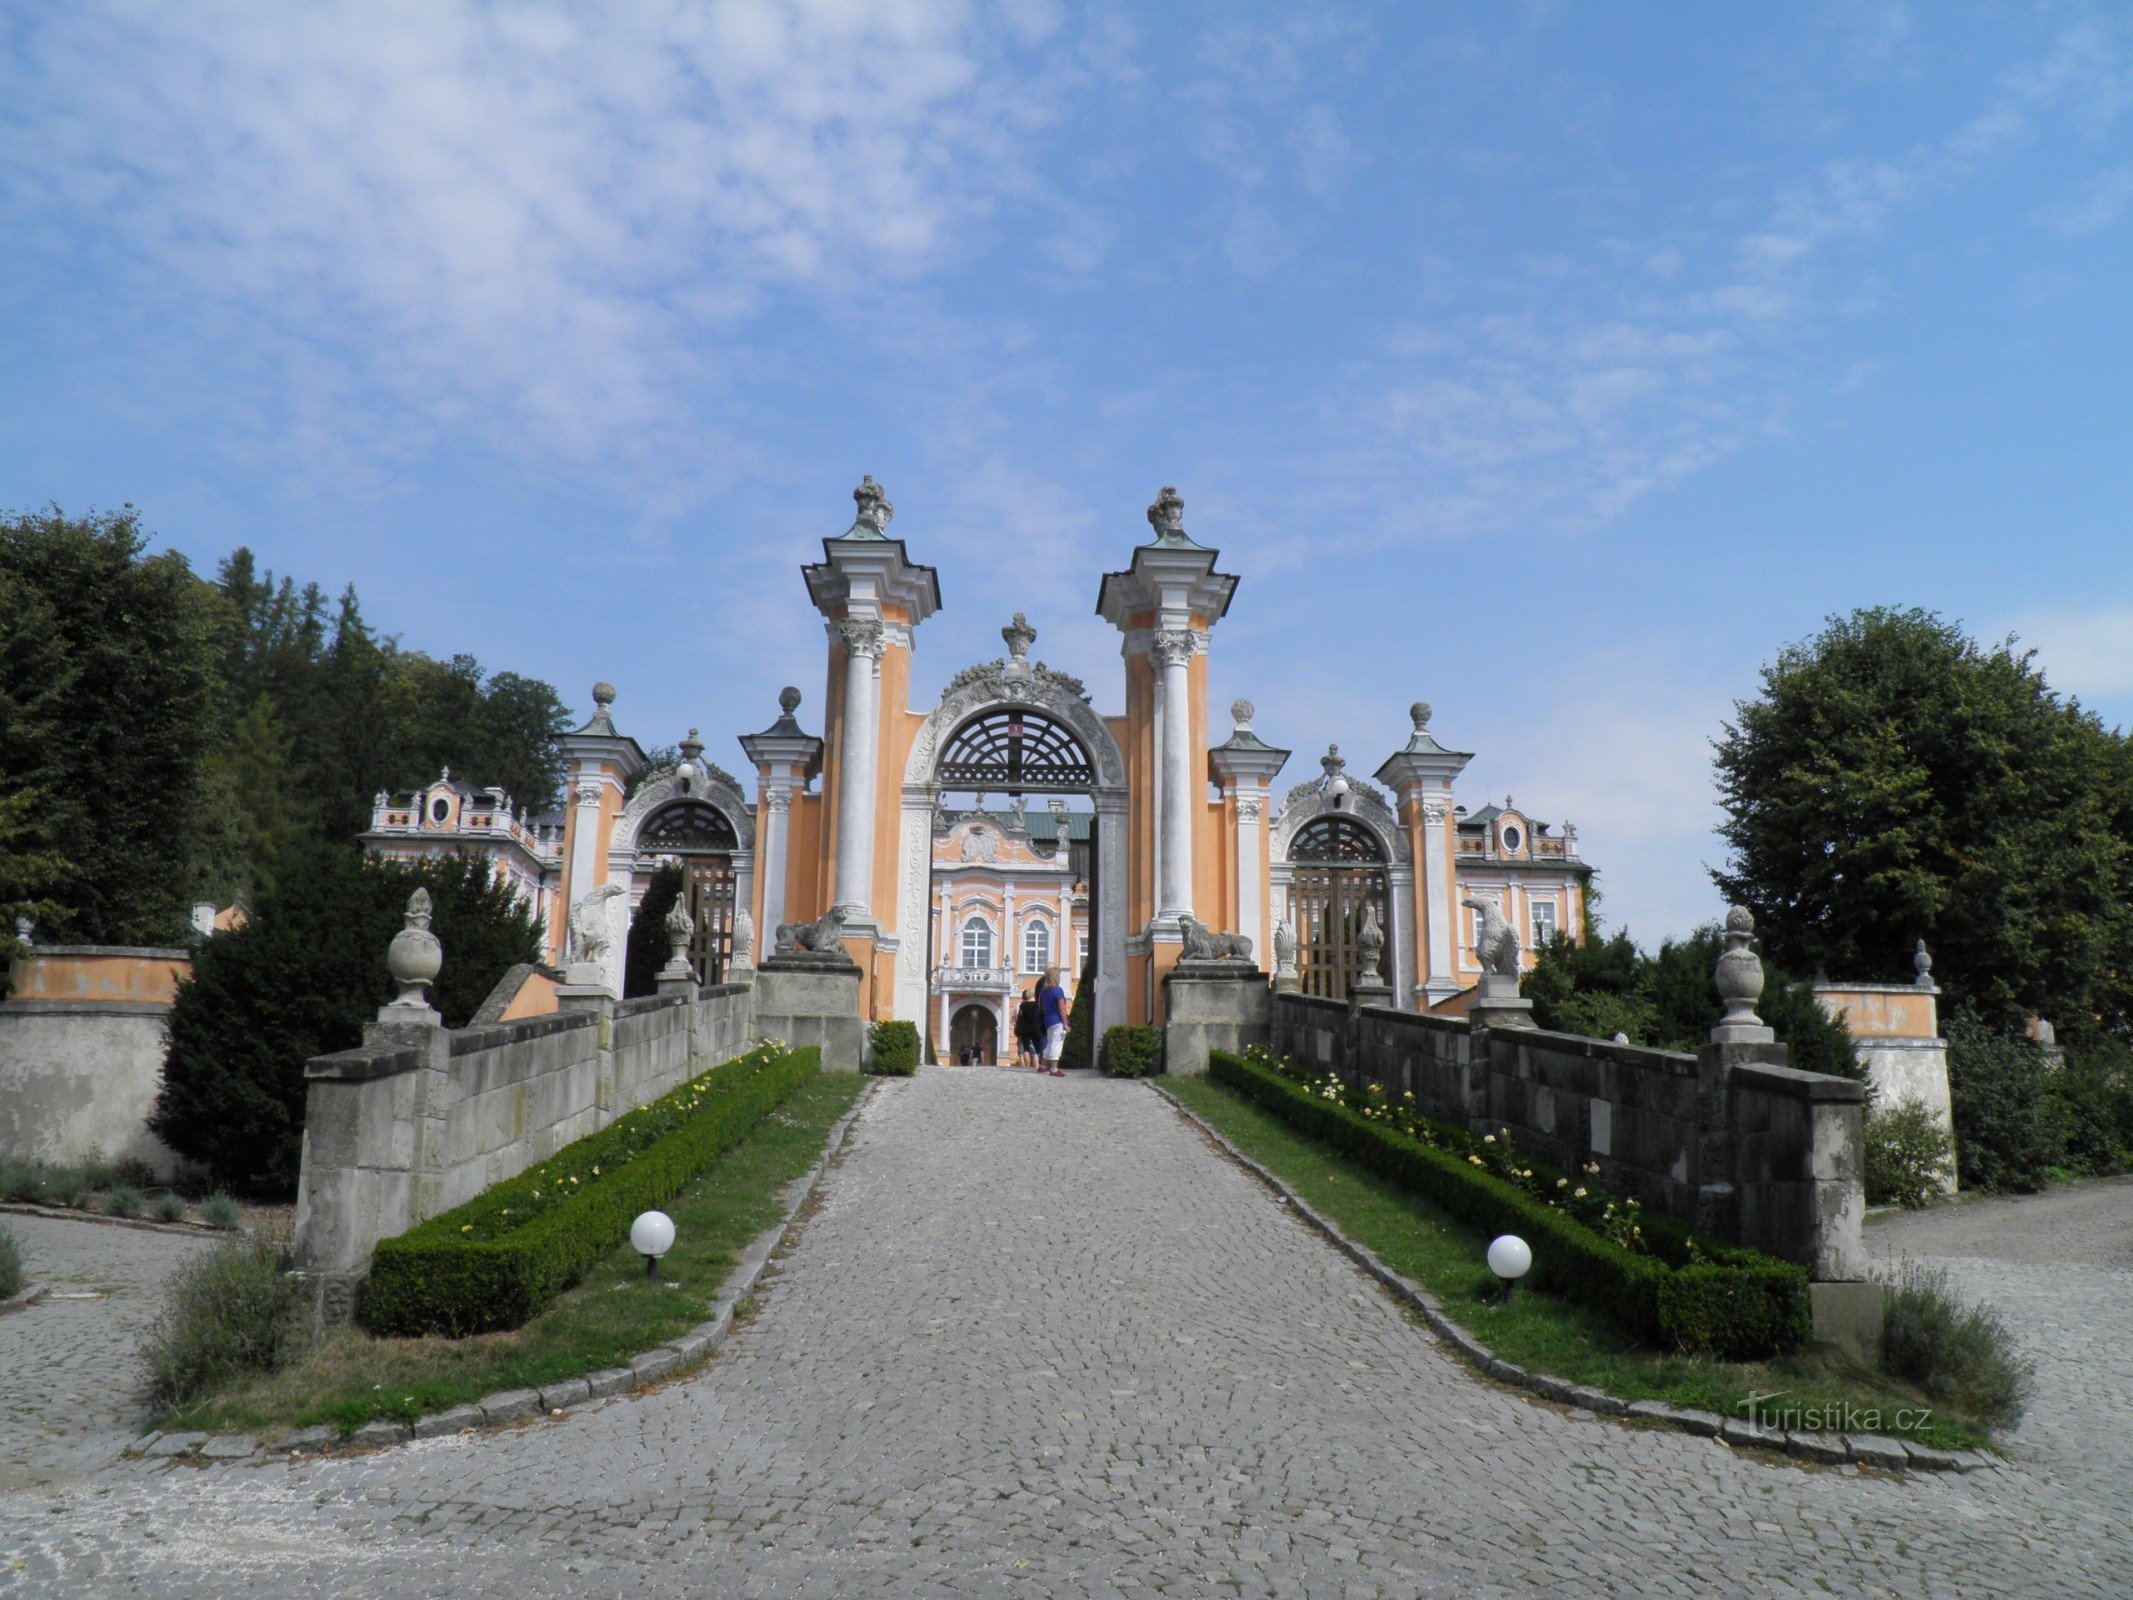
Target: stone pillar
(1172,649)
(777,816)
(855,774)
(1210,1006)
(1441,981)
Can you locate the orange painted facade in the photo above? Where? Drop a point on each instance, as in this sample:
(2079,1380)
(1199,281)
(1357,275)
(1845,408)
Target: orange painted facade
(92,975)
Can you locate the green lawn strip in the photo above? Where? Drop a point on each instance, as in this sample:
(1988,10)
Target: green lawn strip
(1537,1330)
(612,1315)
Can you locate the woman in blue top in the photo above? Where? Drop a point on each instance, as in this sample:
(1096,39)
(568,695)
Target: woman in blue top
(1052,1006)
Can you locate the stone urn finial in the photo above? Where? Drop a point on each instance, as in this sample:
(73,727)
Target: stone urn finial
(691,748)
(874,508)
(1922,964)
(681,928)
(1019,636)
(1739,978)
(1370,945)
(415,956)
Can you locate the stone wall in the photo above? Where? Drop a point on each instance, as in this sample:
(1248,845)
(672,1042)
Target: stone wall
(81,1053)
(419,1120)
(1730,1141)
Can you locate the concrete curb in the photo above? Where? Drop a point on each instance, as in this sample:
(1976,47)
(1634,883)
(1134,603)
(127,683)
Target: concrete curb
(24,1298)
(511,1406)
(1859,1449)
(190,1230)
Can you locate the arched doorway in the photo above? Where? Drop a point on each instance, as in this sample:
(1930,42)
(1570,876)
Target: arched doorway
(1015,729)
(977,1030)
(1337,870)
(699,837)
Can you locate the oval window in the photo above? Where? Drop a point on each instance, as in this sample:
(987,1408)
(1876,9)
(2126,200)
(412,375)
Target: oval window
(1511,840)
(440,808)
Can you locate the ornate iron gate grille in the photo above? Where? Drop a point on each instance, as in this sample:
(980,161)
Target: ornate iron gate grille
(701,838)
(1337,868)
(1011,752)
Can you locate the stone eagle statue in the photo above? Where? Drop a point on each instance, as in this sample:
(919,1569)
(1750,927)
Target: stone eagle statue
(824,936)
(590,933)
(1495,944)
(1202,943)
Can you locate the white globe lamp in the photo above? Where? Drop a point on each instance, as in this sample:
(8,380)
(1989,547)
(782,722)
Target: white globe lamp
(1510,1258)
(652,1236)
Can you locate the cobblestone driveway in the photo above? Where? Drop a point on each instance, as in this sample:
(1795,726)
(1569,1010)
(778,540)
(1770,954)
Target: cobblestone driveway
(1041,1341)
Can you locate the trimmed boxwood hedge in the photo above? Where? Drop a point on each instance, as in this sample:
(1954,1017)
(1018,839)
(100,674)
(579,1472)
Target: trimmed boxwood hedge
(468,1270)
(1693,1293)
(1132,1050)
(892,1049)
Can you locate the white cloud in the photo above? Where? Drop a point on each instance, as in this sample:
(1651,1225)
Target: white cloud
(527,221)
(2085,650)
(2101,205)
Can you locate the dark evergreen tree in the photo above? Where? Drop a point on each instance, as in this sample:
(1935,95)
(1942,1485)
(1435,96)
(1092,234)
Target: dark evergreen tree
(648,948)
(299,979)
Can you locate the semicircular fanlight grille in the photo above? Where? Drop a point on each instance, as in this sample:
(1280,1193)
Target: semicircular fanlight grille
(1337,841)
(1010,751)
(688,825)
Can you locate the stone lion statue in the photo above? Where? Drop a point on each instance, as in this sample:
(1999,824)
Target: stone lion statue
(1495,944)
(824,936)
(1202,943)
(591,933)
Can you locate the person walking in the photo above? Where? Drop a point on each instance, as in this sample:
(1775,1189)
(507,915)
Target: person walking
(1053,1008)
(1029,1031)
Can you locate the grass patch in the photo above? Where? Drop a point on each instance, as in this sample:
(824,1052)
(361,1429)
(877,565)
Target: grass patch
(352,1377)
(1537,1330)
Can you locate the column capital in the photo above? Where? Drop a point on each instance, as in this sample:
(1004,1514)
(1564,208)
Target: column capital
(1172,647)
(862,636)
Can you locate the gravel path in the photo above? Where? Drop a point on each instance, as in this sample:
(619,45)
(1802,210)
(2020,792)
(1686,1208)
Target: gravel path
(1041,1341)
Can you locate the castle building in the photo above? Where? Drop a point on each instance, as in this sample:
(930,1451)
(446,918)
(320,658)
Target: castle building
(1117,831)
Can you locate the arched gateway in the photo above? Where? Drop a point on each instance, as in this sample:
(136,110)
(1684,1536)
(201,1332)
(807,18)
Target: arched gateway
(1016,727)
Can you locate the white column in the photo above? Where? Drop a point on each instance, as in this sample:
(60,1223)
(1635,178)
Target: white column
(777,803)
(1107,909)
(1442,983)
(1172,650)
(855,776)
(1250,915)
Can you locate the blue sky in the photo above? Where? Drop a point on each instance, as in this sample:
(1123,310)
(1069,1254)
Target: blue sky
(1556,364)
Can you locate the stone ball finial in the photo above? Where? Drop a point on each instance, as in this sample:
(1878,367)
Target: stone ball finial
(1419,713)
(788,699)
(603,694)
(1241,713)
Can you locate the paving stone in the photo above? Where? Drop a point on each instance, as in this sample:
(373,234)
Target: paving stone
(306,1440)
(512,1405)
(378,1433)
(562,1396)
(1876,1450)
(176,1444)
(611,1381)
(453,1419)
(229,1447)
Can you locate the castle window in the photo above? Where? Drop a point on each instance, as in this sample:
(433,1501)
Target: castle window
(1036,947)
(1543,923)
(1512,838)
(976,944)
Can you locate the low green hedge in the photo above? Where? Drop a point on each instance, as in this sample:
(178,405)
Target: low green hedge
(495,1261)
(892,1049)
(1691,1294)
(1132,1051)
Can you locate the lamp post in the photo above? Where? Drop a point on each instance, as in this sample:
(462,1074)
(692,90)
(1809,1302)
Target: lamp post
(652,1236)
(1510,1258)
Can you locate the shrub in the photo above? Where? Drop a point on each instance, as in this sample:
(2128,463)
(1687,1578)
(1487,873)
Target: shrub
(300,979)
(10,1265)
(1132,1051)
(1688,1293)
(1961,1355)
(169,1207)
(892,1049)
(124,1201)
(232,1310)
(220,1211)
(1908,1154)
(2092,1095)
(2006,1127)
(495,1261)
